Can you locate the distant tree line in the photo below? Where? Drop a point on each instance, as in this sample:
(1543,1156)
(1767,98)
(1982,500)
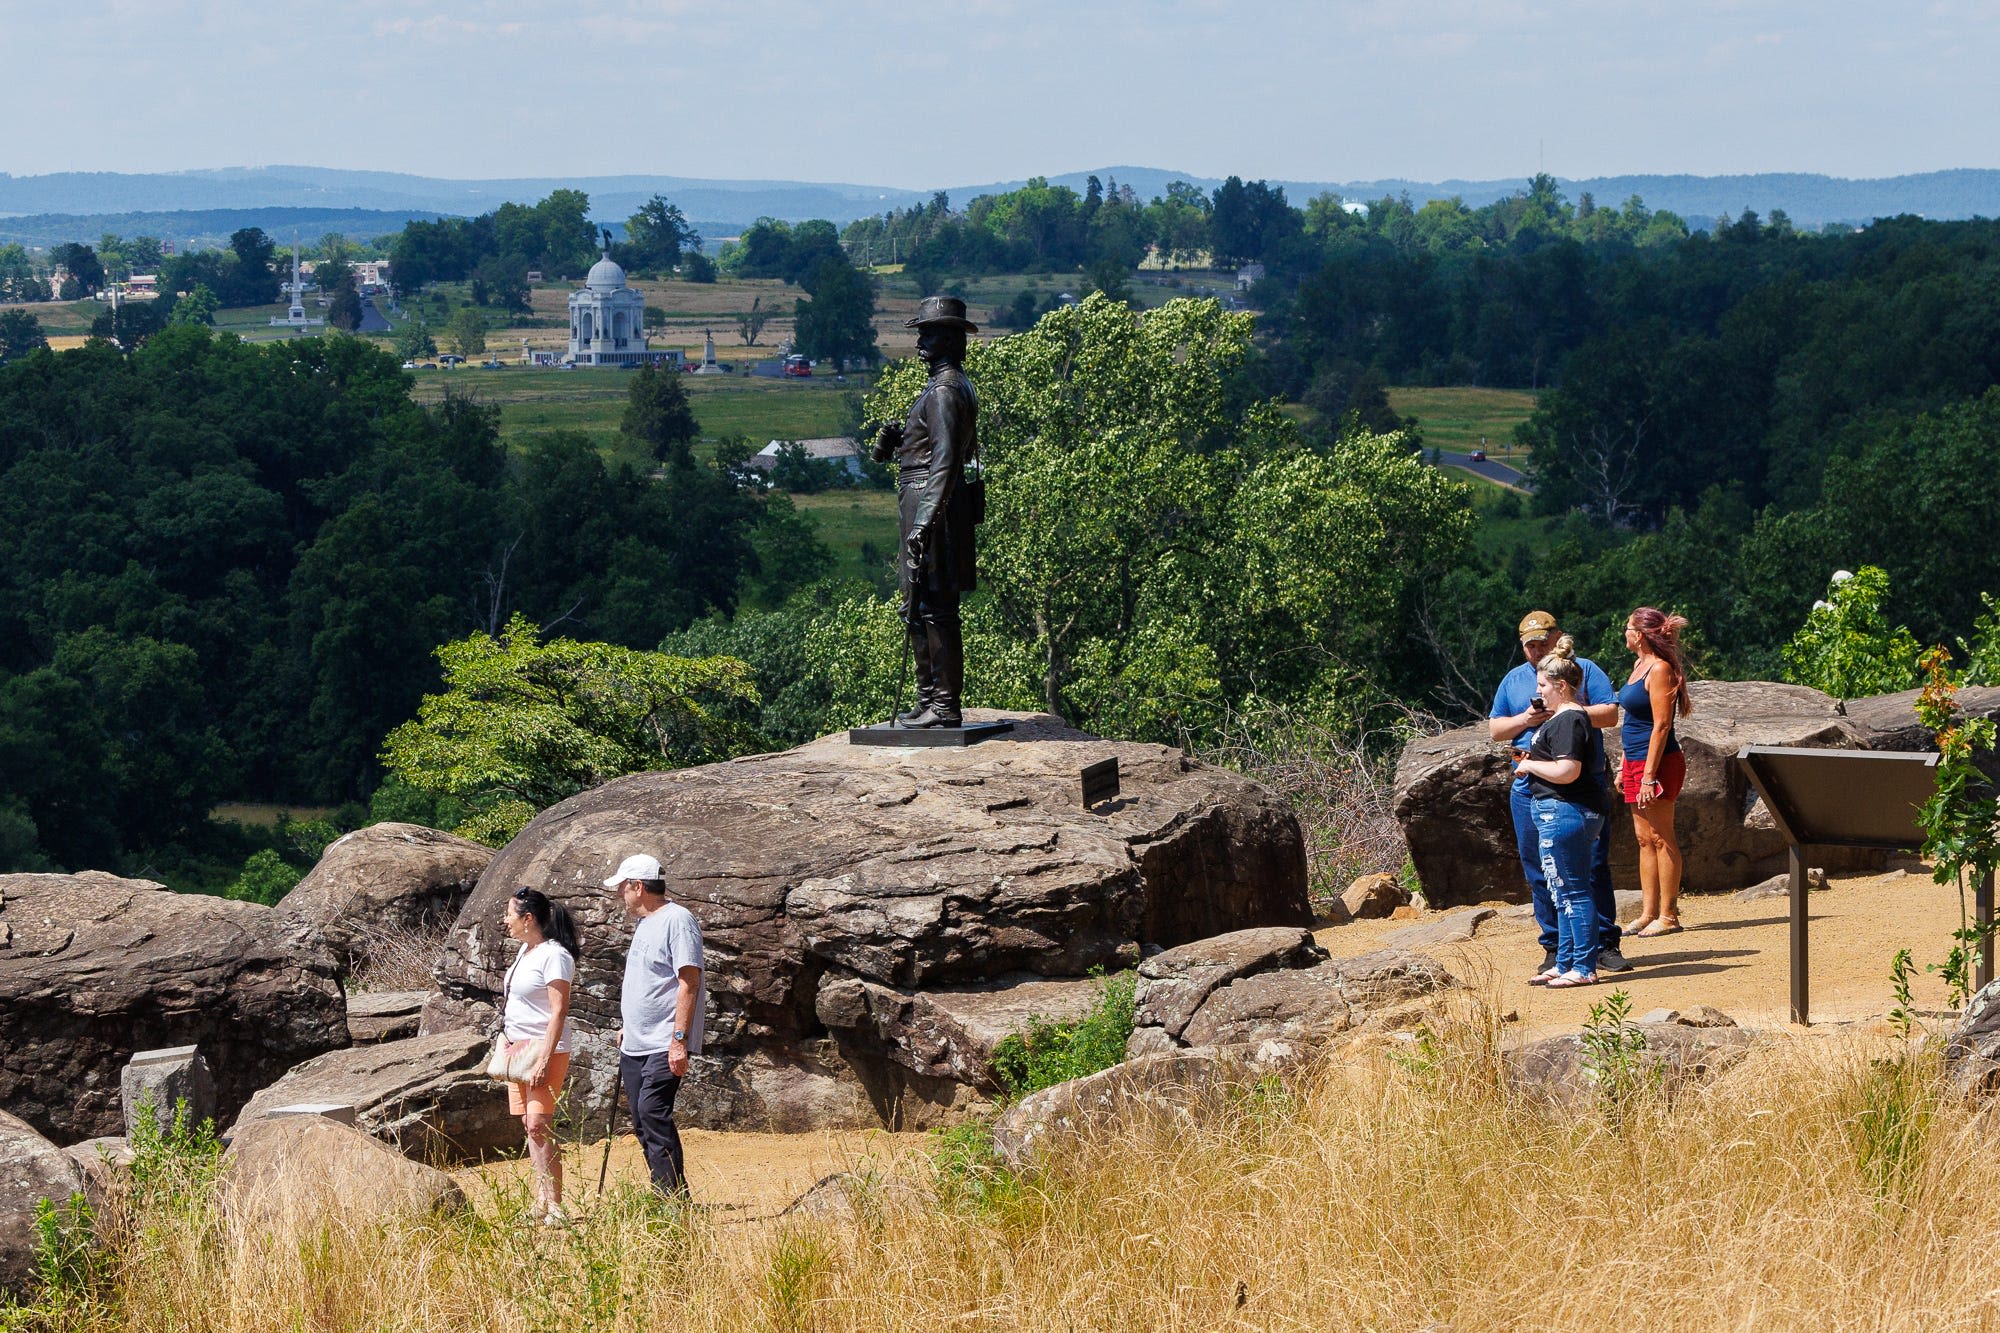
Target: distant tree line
(224,568)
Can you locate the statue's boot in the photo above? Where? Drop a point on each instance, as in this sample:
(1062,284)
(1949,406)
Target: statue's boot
(947,673)
(920,651)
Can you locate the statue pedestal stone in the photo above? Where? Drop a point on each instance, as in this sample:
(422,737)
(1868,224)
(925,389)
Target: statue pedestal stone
(888,733)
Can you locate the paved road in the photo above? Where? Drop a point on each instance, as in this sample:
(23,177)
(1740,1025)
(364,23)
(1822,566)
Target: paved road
(1490,470)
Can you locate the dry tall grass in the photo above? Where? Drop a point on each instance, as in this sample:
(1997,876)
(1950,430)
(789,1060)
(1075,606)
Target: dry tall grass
(1809,1188)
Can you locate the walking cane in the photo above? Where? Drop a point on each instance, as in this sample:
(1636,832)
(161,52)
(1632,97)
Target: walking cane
(610,1124)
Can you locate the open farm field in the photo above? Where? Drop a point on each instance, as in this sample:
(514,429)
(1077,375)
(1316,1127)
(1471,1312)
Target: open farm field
(536,400)
(849,519)
(1463,419)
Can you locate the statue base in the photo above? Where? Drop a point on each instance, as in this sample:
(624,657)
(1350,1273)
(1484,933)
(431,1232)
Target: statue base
(888,733)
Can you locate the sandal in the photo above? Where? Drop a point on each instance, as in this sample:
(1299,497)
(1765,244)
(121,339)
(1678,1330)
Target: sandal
(1640,925)
(1664,926)
(1544,977)
(1569,979)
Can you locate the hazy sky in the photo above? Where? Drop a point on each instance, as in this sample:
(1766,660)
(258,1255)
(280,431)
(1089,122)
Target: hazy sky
(933,95)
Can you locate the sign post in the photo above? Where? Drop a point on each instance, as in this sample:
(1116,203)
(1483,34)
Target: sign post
(1846,798)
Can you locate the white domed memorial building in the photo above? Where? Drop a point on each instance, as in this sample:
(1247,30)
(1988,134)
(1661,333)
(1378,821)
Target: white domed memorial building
(607,319)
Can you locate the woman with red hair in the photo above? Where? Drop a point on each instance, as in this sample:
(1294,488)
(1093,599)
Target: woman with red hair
(1654,696)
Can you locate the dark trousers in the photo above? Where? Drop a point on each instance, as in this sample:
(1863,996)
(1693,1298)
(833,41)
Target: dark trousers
(937,643)
(1527,844)
(650,1089)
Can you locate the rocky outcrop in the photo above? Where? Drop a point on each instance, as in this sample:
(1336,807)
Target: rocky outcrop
(428,1097)
(384,882)
(1890,722)
(1256,986)
(306,1170)
(913,871)
(31,1169)
(95,968)
(1451,798)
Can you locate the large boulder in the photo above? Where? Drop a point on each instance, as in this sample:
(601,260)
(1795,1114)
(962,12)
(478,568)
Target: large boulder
(1671,1055)
(910,869)
(1451,798)
(31,1169)
(304,1170)
(428,1097)
(381,884)
(94,968)
(1890,722)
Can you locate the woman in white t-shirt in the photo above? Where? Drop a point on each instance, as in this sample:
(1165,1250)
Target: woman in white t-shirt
(537,1015)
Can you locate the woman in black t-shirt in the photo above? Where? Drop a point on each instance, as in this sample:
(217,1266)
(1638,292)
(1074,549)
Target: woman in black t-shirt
(1568,804)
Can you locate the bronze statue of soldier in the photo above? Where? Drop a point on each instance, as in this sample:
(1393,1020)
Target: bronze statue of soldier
(937,510)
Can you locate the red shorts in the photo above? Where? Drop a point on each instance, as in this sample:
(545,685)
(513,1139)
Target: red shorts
(1672,775)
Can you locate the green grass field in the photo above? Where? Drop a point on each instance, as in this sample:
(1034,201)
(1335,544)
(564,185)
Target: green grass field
(1458,419)
(847,520)
(536,400)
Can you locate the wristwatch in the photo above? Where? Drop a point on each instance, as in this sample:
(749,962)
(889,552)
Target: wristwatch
(680,1037)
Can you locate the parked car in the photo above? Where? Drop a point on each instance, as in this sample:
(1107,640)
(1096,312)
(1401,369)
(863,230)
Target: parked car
(798,366)
(1479,455)
(451,359)
(490,365)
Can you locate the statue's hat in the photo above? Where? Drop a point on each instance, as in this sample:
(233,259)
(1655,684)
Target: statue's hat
(941,310)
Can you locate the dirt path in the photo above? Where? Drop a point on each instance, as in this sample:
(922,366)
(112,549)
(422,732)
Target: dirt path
(753,1176)
(1731,955)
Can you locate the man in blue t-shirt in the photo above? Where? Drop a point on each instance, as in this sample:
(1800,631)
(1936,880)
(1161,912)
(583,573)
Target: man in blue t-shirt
(1517,712)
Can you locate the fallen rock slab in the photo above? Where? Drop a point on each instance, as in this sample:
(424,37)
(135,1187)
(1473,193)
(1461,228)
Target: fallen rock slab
(1374,895)
(428,1097)
(1450,928)
(298,1171)
(1263,986)
(97,968)
(31,1170)
(910,869)
(381,883)
(374,1016)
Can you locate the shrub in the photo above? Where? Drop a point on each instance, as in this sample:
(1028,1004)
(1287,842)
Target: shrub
(1047,1053)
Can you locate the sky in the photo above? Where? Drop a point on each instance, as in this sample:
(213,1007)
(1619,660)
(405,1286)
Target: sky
(927,96)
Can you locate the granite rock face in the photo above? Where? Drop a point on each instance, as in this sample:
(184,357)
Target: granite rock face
(384,881)
(95,968)
(1451,798)
(907,870)
(1890,722)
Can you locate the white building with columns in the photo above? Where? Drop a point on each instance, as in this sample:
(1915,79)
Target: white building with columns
(607,319)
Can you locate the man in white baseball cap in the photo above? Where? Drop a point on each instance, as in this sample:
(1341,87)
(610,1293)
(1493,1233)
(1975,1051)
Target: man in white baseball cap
(663,1002)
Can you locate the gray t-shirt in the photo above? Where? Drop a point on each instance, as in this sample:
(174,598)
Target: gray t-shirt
(662,944)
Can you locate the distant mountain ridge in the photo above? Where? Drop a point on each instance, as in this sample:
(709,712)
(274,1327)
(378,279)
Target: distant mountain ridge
(88,200)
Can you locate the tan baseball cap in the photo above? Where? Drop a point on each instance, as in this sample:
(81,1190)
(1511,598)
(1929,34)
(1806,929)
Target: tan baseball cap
(1536,626)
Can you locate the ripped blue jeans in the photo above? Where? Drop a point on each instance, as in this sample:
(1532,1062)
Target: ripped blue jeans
(1566,835)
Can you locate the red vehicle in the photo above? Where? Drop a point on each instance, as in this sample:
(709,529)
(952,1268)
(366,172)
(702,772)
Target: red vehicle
(799,366)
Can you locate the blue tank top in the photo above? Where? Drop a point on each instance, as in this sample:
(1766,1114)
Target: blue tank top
(1637,732)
